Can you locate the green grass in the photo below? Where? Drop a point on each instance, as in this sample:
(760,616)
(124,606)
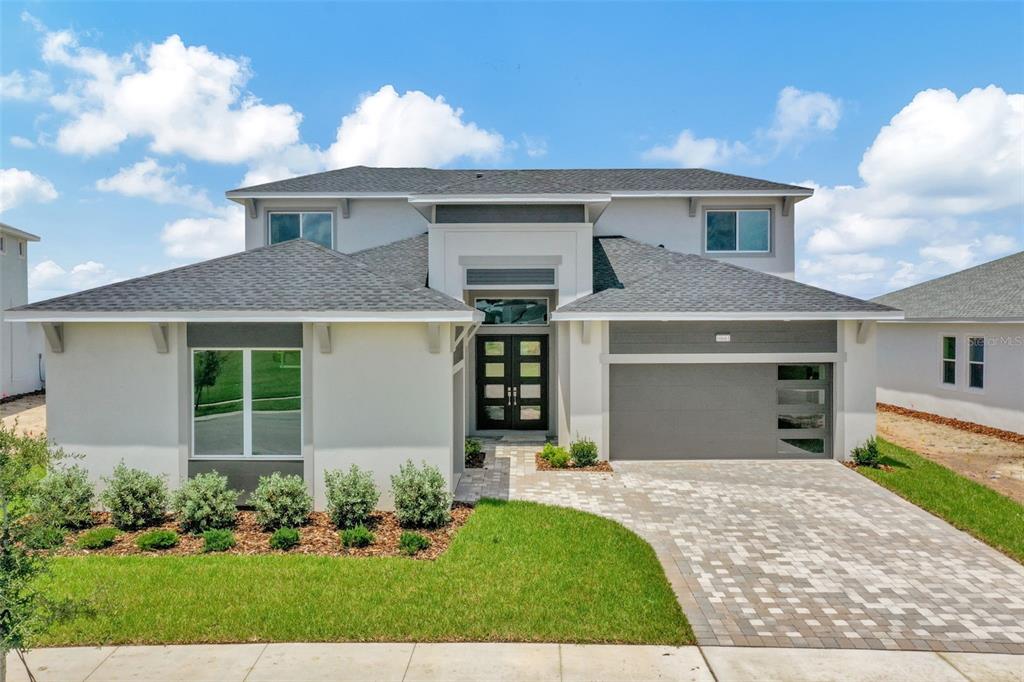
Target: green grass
(516,571)
(992,518)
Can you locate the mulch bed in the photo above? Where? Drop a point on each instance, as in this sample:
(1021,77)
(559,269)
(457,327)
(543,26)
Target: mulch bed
(475,461)
(318,537)
(602,466)
(1011,436)
(883,467)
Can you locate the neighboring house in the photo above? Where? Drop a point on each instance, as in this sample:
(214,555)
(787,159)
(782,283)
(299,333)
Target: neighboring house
(960,351)
(21,344)
(381,314)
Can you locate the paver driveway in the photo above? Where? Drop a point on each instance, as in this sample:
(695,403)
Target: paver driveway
(766,553)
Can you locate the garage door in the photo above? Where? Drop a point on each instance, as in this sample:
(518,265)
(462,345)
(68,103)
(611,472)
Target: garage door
(719,411)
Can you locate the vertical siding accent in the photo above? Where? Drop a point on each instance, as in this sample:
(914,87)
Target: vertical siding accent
(809,336)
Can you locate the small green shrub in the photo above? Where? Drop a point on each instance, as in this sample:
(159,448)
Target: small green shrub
(281,501)
(358,536)
(351,496)
(218,540)
(558,458)
(97,538)
(867,455)
(156,540)
(284,539)
(44,537)
(135,498)
(583,452)
(205,501)
(411,543)
(64,498)
(421,495)
(548,450)
(473,447)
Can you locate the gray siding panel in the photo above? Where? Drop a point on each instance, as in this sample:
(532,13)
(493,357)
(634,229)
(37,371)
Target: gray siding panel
(509,276)
(524,213)
(244,475)
(815,336)
(244,335)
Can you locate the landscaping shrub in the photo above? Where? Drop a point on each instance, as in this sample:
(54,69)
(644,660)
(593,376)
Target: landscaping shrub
(204,502)
(157,540)
(548,450)
(284,538)
(411,543)
(358,536)
(421,495)
(44,537)
(134,497)
(350,496)
(97,538)
(583,452)
(281,501)
(64,498)
(558,458)
(218,540)
(867,455)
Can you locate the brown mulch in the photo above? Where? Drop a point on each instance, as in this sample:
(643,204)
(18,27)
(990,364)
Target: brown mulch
(851,465)
(1011,436)
(475,460)
(602,466)
(318,537)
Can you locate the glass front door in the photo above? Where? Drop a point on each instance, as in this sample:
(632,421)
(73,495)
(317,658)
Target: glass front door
(512,382)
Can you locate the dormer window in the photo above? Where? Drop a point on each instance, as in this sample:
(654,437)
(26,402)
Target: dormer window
(316,226)
(740,231)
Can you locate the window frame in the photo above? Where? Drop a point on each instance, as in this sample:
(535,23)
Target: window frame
(300,213)
(3,244)
(967,365)
(247,413)
(943,360)
(547,316)
(22,250)
(750,209)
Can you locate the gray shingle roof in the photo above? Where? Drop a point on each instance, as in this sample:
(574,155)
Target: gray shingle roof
(294,276)
(993,290)
(526,181)
(632,277)
(405,260)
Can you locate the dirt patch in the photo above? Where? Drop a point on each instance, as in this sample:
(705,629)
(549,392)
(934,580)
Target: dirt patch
(988,459)
(602,466)
(319,537)
(955,423)
(25,414)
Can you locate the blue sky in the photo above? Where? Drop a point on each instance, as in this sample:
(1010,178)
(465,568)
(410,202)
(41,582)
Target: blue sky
(908,117)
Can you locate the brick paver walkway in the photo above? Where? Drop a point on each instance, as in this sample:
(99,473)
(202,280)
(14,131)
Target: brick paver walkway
(804,554)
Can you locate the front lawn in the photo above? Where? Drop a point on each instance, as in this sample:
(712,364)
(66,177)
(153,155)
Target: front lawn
(992,518)
(517,571)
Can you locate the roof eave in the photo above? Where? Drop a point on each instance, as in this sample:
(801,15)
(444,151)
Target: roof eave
(637,316)
(20,234)
(961,320)
(245,316)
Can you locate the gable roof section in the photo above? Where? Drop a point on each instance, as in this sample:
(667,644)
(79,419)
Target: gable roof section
(990,291)
(633,280)
(410,181)
(292,280)
(405,260)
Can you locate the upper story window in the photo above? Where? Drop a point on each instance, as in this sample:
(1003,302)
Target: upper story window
(513,310)
(316,226)
(740,231)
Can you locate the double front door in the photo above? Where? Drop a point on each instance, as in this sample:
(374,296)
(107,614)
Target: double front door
(512,382)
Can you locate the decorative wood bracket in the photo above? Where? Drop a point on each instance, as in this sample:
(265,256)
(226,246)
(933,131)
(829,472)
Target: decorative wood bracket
(250,208)
(160,336)
(344,208)
(434,337)
(694,205)
(863,331)
(787,205)
(585,330)
(323,336)
(54,332)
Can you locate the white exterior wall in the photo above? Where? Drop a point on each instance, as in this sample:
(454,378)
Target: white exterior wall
(380,398)
(111,397)
(668,222)
(588,385)
(21,343)
(909,372)
(853,387)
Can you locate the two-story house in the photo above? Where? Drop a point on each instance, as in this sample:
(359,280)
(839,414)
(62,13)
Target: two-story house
(21,346)
(382,314)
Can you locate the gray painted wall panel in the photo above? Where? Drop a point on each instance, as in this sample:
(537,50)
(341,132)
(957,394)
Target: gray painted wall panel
(523,213)
(814,336)
(245,474)
(244,335)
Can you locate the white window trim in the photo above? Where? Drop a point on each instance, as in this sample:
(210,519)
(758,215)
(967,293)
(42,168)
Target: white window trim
(968,362)
(737,211)
(546,300)
(246,407)
(956,361)
(301,225)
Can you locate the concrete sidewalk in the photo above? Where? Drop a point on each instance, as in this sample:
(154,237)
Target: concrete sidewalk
(512,662)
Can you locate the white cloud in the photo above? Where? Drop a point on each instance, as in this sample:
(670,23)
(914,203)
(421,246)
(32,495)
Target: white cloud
(22,142)
(201,238)
(536,146)
(999,244)
(693,152)
(25,87)
(800,114)
(148,179)
(851,267)
(22,186)
(48,278)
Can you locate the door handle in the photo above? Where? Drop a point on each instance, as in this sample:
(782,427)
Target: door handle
(508,396)
(515,395)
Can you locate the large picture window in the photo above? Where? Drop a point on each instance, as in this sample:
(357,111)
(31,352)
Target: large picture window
(747,231)
(316,226)
(246,403)
(513,310)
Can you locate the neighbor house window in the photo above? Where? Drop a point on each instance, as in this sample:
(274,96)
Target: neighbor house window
(747,231)
(949,360)
(21,248)
(3,244)
(315,226)
(246,403)
(976,361)
(513,310)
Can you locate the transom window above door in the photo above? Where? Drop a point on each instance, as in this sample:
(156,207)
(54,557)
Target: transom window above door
(739,231)
(517,311)
(316,226)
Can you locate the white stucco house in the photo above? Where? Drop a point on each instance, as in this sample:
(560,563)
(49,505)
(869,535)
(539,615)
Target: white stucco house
(21,343)
(382,314)
(960,351)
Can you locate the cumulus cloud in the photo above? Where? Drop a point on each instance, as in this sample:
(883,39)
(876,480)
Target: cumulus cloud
(17,86)
(22,186)
(22,142)
(201,238)
(799,114)
(150,180)
(691,151)
(48,278)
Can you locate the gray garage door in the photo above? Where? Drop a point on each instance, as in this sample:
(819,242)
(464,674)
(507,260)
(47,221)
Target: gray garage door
(719,411)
